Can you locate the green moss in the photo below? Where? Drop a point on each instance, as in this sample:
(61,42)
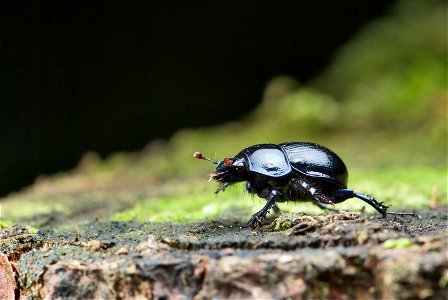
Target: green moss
(398,243)
(281,224)
(30,207)
(401,188)
(31,229)
(404,187)
(191,207)
(5,223)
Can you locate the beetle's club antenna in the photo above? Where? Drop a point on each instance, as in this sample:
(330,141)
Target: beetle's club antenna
(199,155)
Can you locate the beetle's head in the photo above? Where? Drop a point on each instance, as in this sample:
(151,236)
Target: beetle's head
(227,172)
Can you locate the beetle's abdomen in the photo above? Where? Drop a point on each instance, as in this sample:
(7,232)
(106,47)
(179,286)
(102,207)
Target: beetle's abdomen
(316,161)
(266,159)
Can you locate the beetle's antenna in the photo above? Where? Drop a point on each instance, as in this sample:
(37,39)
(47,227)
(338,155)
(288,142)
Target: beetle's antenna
(199,155)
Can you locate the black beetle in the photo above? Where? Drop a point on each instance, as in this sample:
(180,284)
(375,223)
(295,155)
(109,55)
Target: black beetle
(290,172)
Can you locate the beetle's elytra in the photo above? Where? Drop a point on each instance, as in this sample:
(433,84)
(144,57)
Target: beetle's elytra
(295,171)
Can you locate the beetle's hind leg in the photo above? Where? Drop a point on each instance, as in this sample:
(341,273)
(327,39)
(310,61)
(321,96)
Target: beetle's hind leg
(379,206)
(344,194)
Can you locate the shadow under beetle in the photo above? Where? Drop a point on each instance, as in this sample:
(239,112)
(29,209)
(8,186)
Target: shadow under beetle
(295,171)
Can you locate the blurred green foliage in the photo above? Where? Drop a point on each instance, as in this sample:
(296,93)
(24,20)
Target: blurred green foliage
(381,105)
(412,38)
(384,99)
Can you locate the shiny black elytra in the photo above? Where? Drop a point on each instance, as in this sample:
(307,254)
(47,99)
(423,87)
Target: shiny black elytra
(295,171)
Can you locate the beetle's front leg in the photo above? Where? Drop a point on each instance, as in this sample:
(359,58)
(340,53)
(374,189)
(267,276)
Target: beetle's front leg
(256,220)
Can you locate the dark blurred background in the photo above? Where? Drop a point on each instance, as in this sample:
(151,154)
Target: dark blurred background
(111,76)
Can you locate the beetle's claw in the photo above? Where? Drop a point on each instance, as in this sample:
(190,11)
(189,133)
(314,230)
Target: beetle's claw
(254,222)
(384,208)
(222,187)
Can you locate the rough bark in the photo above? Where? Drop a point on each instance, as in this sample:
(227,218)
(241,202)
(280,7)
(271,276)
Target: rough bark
(337,256)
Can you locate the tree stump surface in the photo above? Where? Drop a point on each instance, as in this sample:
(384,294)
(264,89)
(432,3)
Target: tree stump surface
(338,255)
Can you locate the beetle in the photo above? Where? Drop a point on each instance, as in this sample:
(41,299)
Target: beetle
(293,171)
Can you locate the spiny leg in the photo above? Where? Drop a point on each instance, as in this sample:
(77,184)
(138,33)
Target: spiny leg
(255,221)
(344,194)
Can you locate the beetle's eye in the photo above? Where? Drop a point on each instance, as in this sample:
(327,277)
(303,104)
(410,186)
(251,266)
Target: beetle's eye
(227,162)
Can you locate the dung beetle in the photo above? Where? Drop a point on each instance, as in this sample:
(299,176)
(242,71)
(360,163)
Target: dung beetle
(294,171)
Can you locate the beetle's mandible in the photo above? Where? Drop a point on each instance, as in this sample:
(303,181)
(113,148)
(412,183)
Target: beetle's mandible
(294,171)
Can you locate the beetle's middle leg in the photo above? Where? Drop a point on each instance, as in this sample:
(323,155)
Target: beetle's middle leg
(322,206)
(302,189)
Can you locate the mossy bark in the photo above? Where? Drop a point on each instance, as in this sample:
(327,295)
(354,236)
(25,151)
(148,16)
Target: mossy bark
(337,256)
